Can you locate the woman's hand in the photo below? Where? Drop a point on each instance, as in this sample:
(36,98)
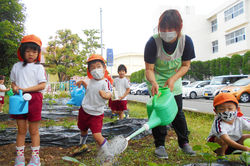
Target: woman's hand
(170,84)
(155,88)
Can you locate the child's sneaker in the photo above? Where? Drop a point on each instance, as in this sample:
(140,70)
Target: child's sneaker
(112,116)
(81,149)
(20,161)
(34,161)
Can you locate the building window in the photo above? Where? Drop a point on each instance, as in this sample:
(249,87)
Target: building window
(215,46)
(235,36)
(234,11)
(214,25)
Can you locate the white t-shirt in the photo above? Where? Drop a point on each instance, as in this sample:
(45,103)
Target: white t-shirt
(27,76)
(121,85)
(234,131)
(93,103)
(2,86)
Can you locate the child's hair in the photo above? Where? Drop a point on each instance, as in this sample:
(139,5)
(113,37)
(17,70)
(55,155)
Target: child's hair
(94,61)
(2,77)
(25,46)
(122,68)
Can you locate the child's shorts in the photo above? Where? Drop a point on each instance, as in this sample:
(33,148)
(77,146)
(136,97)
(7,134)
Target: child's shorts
(110,103)
(229,149)
(35,108)
(1,99)
(87,121)
(119,105)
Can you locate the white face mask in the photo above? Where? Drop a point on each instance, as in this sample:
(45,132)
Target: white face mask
(97,73)
(228,115)
(168,36)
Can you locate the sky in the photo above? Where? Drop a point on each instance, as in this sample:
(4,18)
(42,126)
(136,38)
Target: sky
(126,25)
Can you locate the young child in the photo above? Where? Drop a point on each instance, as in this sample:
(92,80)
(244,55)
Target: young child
(29,76)
(121,85)
(92,111)
(2,93)
(228,125)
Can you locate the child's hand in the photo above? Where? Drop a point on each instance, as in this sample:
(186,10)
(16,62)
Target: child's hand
(102,94)
(79,83)
(105,95)
(16,89)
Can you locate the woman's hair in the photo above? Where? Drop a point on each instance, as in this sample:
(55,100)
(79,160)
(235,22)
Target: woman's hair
(122,67)
(94,61)
(170,19)
(32,46)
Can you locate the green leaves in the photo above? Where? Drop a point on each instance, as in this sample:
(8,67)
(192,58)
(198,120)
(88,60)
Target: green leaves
(237,64)
(67,53)
(11,31)
(71,159)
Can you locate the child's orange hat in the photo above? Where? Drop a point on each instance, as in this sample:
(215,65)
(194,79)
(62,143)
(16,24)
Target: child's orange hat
(226,97)
(98,57)
(33,39)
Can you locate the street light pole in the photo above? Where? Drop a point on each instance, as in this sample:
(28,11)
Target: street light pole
(101,31)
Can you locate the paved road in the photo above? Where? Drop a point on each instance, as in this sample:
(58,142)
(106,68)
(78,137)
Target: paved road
(197,105)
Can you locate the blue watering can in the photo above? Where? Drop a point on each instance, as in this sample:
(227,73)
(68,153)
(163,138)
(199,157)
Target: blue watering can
(77,95)
(18,104)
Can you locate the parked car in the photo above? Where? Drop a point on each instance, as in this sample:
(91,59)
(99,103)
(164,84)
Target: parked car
(133,86)
(138,89)
(240,89)
(219,82)
(194,89)
(185,82)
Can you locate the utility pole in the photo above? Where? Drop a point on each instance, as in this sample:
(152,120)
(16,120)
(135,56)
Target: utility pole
(101,31)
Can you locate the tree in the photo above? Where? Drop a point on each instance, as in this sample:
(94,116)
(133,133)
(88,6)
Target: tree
(91,44)
(236,64)
(138,76)
(11,31)
(246,63)
(225,66)
(65,56)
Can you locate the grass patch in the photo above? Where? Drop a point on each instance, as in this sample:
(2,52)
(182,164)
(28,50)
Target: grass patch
(141,152)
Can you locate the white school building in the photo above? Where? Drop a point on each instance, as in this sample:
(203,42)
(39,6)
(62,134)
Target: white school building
(223,32)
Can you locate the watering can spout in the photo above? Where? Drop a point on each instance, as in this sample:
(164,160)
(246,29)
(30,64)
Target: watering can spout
(154,120)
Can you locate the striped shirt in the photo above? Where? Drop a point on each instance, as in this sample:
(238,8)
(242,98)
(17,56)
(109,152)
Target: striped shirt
(234,131)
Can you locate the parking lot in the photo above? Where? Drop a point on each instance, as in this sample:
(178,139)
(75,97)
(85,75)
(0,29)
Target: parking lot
(197,105)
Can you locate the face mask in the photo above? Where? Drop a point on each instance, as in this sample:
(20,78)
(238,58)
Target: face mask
(228,115)
(168,36)
(97,73)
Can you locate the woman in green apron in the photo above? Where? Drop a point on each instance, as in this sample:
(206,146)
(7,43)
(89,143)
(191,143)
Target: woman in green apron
(167,57)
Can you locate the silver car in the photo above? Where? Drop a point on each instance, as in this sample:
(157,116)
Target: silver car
(194,90)
(219,82)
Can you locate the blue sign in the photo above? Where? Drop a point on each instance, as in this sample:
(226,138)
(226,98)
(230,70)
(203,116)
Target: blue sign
(110,57)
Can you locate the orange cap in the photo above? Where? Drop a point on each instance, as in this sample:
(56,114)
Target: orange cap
(98,57)
(226,97)
(33,39)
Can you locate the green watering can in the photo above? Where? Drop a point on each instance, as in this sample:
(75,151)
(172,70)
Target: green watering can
(161,109)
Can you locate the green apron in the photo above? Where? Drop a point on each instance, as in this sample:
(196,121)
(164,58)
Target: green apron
(167,65)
